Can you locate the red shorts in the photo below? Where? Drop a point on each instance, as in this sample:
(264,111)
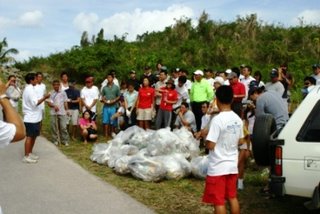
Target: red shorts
(220,188)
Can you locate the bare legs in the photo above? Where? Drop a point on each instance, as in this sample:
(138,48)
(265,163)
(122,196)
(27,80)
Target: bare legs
(28,145)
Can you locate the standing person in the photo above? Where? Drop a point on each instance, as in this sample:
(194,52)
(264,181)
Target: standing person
(130,99)
(41,88)
(110,96)
(160,84)
(287,81)
(275,84)
(133,79)
(316,73)
(12,129)
(258,77)
(169,97)
(145,104)
(239,92)
(32,116)
(58,104)
(64,78)
(188,83)
(201,92)
(73,95)
(183,96)
(13,91)
(89,95)
(151,77)
(209,76)
(225,134)
(247,78)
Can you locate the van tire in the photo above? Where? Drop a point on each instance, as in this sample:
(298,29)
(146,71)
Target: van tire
(264,126)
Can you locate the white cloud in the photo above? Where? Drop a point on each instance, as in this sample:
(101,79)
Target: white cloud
(31,19)
(308,17)
(23,55)
(133,23)
(86,22)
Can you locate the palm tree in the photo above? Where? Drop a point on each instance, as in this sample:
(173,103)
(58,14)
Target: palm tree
(4,53)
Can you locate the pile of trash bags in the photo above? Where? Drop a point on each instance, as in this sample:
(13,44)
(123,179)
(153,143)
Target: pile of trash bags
(152,155)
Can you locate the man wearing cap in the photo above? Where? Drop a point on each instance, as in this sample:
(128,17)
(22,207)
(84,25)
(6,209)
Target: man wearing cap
(151,77)
(73,95)
(89,95)
(239,92)
(133,79)
(269,102)
(201,92)
(316,73)
(275,84)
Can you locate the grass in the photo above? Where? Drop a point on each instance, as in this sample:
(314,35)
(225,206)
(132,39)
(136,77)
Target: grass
(183,196)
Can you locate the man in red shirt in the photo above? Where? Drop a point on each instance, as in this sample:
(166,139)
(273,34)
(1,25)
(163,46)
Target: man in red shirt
(169,96)
(239,92)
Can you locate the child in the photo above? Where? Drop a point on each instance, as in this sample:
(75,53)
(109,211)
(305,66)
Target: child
(88,127)
(225,133)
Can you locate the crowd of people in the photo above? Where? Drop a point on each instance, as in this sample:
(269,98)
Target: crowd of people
(218,107)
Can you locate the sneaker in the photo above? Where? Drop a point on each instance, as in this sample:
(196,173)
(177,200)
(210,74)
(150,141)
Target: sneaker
(66,144)
(56,143)
(33,156)
(28,159)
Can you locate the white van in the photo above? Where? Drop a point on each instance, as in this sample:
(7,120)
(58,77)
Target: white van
(293,153)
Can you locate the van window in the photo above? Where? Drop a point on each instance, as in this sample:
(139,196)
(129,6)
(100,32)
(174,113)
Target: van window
(310,131)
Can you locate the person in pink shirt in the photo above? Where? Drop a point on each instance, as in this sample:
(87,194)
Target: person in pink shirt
(88,127)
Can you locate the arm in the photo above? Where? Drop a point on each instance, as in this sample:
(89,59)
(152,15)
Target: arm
(210,145)
(12,116)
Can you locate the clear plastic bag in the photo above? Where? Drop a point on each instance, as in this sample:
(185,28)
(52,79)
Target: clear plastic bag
(162,142)
(146,168)
(186,144)
(101,153)
(121,165)
(177,167)
(199,166)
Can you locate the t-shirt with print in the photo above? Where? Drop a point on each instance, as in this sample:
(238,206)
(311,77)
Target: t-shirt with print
(170,95)
(58,99)
(146,97)
(225,130)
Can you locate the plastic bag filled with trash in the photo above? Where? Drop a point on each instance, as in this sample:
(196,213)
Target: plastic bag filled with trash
(162,142)
(199,166)
(187,144)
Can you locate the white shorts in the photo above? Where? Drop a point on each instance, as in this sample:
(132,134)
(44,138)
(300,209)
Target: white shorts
(144,114)
(73,117)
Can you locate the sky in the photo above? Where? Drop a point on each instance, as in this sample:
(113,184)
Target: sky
(43,27)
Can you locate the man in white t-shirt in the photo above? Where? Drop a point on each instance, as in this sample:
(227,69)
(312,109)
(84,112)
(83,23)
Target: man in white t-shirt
(89,95)
(32,116)
(225,133)
(247,78)
(12,129)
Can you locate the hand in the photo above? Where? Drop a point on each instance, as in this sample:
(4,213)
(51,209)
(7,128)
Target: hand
(56,108)
(46,96)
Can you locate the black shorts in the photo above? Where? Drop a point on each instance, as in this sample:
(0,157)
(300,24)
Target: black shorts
(32,129)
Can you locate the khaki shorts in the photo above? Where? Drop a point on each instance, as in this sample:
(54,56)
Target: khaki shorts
(144,114)
(73,117)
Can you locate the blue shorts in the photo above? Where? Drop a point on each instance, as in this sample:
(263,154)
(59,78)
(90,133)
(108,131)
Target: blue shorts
(107,113)
(32,129)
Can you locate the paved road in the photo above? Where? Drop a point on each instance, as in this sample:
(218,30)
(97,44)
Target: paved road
(56,185)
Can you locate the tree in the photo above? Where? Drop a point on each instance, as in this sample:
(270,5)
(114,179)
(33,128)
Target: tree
(4,53)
